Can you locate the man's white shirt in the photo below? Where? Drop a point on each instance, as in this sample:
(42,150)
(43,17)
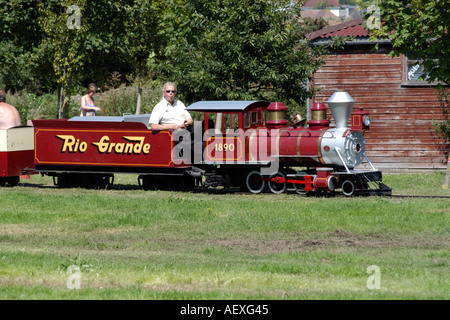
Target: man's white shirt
(166,113)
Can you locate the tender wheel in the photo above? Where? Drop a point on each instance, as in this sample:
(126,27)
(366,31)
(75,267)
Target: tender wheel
(348,188)
(277,182)
(255,182)
(146,182)
(14,181)
(9,181)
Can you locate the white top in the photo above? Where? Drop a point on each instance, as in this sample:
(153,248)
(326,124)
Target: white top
(166,113)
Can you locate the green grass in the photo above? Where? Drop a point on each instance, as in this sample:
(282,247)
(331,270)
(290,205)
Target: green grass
(134,244)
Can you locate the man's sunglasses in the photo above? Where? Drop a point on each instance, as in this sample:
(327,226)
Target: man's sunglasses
(169,91)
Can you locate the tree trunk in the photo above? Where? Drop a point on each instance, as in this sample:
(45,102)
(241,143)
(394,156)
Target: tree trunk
(138,106)
(446,182)
(60,101)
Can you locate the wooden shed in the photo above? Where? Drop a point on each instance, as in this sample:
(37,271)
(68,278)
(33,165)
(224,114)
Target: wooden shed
(402,109)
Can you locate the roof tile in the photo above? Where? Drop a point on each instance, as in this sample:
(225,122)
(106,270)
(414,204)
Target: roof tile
(348,28)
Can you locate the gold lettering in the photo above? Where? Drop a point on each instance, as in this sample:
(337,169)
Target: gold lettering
(128,148)
(138,146)
(83,146)
(69,141)
(102,145)
(146,149)
(119,147)
(112,144)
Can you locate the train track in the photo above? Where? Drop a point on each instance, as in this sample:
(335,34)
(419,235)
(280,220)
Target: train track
(340,195)
(236,191)
(419,196)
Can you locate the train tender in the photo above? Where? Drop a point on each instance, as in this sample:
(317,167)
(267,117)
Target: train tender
(16,154)
(246,144)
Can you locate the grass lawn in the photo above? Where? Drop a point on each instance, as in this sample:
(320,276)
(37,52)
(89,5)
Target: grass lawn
(125,243)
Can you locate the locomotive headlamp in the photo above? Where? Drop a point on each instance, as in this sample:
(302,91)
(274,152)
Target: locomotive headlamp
(366,120)
(360,120)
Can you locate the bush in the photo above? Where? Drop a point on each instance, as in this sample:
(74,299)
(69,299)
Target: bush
(120,100)
(112,101)
(32,106)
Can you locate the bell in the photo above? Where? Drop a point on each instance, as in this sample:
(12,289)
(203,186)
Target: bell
(298,119)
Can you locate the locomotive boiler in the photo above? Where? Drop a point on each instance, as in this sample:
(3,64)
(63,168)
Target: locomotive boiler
(245,144)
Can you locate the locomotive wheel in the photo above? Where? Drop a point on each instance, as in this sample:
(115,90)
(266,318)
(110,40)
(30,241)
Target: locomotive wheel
(300,189)
(255,182)
(277,183)
(348,188)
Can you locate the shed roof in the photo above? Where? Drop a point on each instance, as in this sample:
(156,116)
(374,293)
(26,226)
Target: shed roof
(348,28)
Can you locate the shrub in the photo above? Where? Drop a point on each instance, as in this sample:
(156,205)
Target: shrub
(120,100)
(114,101)
(32,106)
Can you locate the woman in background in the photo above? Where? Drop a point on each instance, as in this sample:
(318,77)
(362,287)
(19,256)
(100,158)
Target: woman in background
(88,107)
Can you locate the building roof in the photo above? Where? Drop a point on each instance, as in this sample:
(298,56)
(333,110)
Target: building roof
(348,28)
(325,3)
(316,14)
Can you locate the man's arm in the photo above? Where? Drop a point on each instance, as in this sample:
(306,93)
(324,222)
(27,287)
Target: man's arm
(159,127)
(189,122)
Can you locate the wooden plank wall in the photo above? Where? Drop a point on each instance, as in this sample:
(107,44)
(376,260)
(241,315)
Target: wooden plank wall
(401,134)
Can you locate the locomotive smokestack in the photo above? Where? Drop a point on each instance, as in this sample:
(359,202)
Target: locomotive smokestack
(341,105)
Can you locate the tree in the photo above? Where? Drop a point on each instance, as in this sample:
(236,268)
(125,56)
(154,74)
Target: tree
(113,36)
(24,59)
(67,36)
(238,50)
(443,128)
(420,26)
(122,34)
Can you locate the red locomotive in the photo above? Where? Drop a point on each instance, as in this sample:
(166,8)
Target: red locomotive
(246,144)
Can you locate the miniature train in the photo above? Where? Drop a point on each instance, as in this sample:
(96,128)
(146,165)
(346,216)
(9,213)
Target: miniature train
(245,144)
